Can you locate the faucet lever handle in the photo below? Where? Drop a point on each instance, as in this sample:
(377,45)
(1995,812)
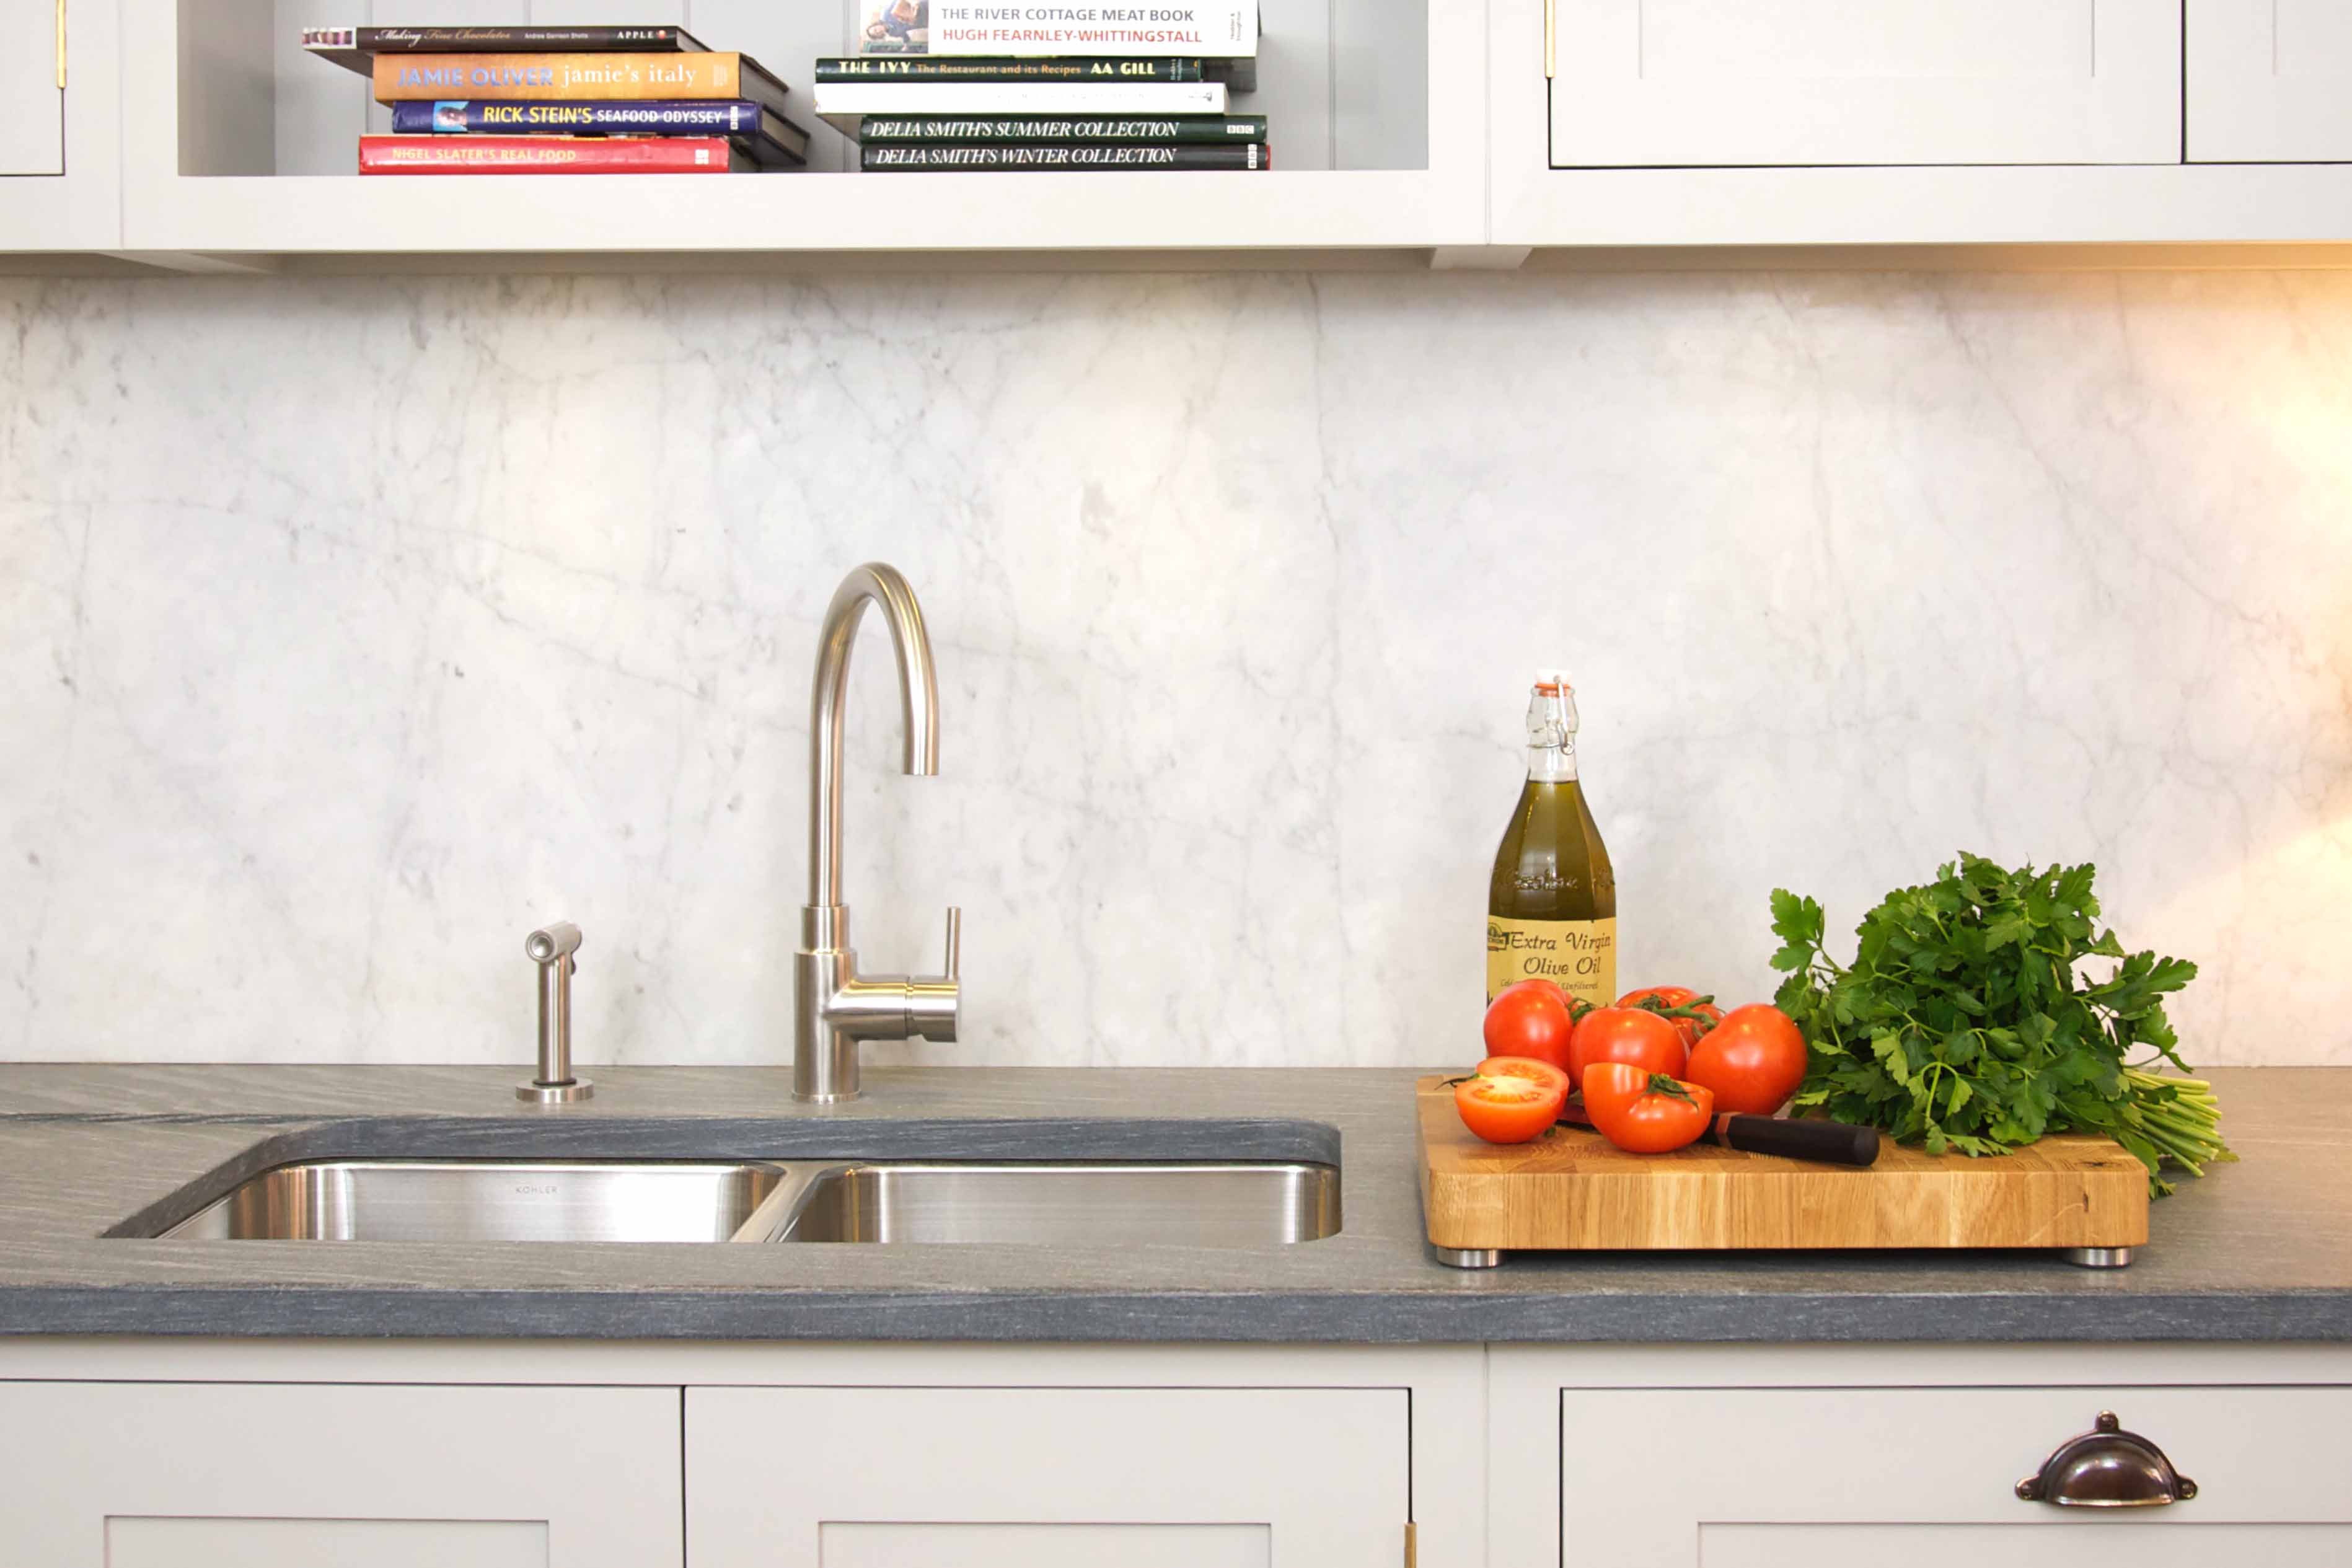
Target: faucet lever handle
(954,969)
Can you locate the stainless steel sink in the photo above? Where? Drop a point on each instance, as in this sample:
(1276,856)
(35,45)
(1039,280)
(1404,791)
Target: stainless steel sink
(1103,1205)
(486,1200)
(1191,1204)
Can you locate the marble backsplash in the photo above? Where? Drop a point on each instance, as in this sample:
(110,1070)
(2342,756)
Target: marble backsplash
(349,628)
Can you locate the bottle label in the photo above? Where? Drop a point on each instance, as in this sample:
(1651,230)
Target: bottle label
(1579,956)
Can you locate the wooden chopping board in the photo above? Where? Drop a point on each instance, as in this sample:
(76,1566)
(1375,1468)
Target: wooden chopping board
(1576,1191)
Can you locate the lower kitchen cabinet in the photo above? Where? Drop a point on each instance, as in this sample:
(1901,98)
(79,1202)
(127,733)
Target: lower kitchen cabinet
(192,1475)
(1797,1477)
(1048,1478)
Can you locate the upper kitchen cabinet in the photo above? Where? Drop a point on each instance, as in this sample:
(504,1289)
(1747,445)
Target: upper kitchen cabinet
(239,141)
(32,86)
(2270,81)
(1650,83)
(60,136)
(1765,126)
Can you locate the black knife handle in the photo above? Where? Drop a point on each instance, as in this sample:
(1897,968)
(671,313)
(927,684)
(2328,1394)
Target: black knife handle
(1831,1142)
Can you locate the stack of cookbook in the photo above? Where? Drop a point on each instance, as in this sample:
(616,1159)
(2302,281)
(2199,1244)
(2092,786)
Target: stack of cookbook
(563,100)
(979,85)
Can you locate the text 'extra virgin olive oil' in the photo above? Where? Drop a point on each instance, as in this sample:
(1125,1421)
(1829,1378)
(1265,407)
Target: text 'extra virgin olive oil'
(1551,908)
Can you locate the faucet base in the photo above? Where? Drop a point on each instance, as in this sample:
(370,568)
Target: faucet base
(556,1093)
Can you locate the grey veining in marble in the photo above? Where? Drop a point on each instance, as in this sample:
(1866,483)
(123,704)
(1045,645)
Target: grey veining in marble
(2258,1251)
(349,628)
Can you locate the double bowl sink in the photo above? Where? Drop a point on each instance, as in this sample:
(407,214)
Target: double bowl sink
(1251,1202)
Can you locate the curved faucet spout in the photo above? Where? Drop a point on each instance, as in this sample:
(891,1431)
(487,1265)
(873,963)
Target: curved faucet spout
(919,696)
(834,1006)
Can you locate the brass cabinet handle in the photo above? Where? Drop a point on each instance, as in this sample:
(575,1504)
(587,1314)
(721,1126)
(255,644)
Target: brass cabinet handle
(2106,1468)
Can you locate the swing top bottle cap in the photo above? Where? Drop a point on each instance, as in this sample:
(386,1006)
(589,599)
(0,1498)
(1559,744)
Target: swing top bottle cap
(1551,682)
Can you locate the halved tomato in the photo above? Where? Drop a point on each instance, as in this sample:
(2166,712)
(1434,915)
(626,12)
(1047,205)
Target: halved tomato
(1508,1107)
(1527,1067)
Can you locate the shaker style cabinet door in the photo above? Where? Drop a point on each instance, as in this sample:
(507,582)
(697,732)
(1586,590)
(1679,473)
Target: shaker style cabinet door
(1927,1477)
(1711,83)
(191,1475)
(1047,1477)
(32,106)
(2270,81)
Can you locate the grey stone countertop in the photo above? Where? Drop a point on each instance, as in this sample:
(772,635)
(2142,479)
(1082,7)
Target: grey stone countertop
(2257,1251)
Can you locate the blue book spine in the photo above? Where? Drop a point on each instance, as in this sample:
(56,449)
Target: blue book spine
(490,117)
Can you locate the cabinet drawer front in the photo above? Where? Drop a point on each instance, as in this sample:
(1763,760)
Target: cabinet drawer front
(791,1478)
(2270,81)
(293,1475)
(1756,1476)
(1730,82)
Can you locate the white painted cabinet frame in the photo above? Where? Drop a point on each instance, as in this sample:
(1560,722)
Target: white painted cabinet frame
(1396,1429)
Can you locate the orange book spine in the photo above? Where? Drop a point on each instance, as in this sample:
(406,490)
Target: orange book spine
(404,77)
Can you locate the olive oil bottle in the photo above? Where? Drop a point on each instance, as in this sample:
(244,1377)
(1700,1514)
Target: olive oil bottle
(1551,907)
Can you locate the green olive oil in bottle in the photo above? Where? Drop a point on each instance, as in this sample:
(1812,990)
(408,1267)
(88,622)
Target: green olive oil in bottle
(1551,907)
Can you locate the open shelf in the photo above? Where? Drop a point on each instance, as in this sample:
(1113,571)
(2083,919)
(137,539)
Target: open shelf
(243,144)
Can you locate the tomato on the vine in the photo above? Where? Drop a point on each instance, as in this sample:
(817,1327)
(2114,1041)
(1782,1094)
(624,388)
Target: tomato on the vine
(1665,995)
(1530,1018)
(1754,1059)
(1644,1113)
(1626,1034)
(1678,999)
(1508,1106)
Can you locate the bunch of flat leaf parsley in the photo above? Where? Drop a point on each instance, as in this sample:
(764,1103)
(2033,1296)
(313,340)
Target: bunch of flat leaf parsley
(1965,1023)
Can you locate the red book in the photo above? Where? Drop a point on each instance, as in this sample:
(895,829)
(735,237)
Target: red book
(549,155)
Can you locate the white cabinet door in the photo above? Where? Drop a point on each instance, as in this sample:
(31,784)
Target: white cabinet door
(2270,81)
(32,107)
(1047,1477)
(1652,83)
(190,1475)
(1859,1477)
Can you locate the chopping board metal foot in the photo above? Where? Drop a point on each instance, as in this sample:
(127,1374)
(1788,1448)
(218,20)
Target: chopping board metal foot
(2100,1257)
(1468,1258)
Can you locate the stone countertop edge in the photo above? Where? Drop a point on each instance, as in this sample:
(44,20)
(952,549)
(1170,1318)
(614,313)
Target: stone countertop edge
(2260,1251)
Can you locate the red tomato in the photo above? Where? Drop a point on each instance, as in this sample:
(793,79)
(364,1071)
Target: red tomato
(1626,1034)
(1666,995)
(1527,1068)
(1644,1113)
(1531,1019)
(1672,997)
(1754,1060)
(1507,1107)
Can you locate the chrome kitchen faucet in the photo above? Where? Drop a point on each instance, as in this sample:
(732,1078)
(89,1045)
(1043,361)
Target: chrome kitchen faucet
(834,1006)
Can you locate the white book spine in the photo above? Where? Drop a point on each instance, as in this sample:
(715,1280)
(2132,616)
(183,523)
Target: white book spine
(1214,29)
(843,104)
